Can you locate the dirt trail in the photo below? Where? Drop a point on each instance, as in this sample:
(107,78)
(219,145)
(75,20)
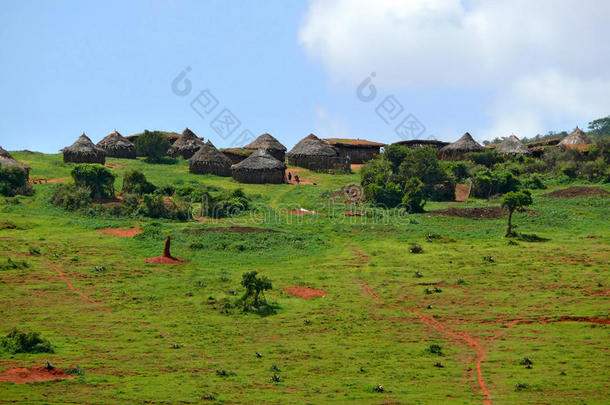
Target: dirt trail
(477,346)
(71,287)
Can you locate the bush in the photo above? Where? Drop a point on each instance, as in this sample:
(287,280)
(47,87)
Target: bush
(156,206)
(96,178)
(386,195)
(459,170)
(13,181)
(71,198)
(226,205)
(413,199)
(534,182)
(135,182)
(152,144)
(487,183)
(20,342)
(486,158)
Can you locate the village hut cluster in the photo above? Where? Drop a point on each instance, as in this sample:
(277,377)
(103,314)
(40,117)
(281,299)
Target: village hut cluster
(264,159)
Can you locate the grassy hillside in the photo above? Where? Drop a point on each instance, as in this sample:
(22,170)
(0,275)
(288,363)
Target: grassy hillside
(149,333)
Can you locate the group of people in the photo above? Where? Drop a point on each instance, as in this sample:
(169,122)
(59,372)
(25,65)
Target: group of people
(296,178)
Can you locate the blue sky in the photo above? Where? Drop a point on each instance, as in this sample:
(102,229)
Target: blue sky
(288,68)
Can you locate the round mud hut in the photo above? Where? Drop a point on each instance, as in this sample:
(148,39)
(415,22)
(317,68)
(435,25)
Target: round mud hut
(117,146)
(458,149)
(84,151)
(6,160)
(270,144)
(576,140)
(316,154)
(209,160)
(513,146)
(260,168)
(185,146)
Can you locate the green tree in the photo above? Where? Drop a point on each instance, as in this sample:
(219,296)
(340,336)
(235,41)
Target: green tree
(153,145)
(515,200)
(255,287)
(600,127)
(96,178)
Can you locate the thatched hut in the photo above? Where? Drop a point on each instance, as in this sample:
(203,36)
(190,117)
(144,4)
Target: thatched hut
(84,151)
(578,140)
(315,154)
(117,146)
(422,143)
(210,160)
(6,160)
(358,151)
(186,146)
(270,144)
(236,155)
(459,148)
(260,168)
(513,146)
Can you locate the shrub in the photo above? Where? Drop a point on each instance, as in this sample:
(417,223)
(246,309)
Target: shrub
(156,206)
(486,158)
(12,265)
(413,198)
(435,349)
(153,145)
(134,182)
(227,205)
(487,183)
(534,182)
(96,178)
(459,170)
(13,181)
(71,198)
(20,342)
(386,195)
(415,248)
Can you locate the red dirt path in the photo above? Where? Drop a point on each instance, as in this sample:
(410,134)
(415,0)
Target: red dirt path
(71,287)
(36,374)
(464,338)
(121,232)
(304,292)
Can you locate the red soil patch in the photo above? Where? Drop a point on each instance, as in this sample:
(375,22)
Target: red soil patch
(472,213)
(577,191)
(302,211)
(356,166)
(36,374)
(354,213)
(115,165)
(305,292)
(121,232)
(54,181)
(227,229)
(295,172)
(164,260)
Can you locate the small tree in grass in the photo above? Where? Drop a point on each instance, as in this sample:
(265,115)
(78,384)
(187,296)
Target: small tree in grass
(153,145)
(515,200)
(255,287)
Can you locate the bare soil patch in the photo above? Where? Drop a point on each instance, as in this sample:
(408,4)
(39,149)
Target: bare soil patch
(577,191)
(229,229)
(121,232)
(164,260)
(296,172)
(462,192)
(472,213)
(36,374)
(354,213)
(115,165)
(304,292)
(55,181)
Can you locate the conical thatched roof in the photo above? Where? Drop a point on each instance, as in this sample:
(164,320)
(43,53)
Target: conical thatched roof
(84,151)
(513,146)
(208,159)
(6,159)
(186,145)
(259,168)
(259,160)
(117,146)
(463,145)
(577,137)
(267,142)
(311,145)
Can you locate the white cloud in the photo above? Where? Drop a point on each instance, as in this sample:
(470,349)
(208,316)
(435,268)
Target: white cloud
(542,59)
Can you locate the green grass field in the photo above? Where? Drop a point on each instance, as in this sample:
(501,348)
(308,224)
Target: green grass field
(158,334)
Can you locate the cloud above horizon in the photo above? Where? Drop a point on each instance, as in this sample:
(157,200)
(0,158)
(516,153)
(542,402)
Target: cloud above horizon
(544,62)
